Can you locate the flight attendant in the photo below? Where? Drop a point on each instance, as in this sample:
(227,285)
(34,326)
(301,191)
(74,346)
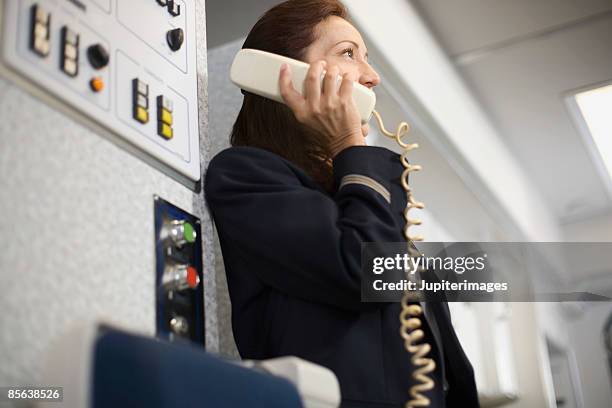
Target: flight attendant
(294,198)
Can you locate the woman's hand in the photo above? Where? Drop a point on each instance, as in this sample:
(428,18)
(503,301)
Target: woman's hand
(328,110)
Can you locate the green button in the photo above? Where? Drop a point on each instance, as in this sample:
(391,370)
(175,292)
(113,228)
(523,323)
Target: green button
(189,233)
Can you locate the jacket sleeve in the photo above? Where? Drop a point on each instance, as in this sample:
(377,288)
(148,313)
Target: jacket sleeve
(300,240)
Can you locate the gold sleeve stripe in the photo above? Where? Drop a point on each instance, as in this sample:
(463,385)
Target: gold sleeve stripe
(366,181)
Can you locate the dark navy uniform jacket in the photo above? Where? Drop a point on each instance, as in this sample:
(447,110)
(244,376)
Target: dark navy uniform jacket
(292,258)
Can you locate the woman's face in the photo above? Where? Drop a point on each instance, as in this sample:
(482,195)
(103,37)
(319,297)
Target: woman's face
(339,43)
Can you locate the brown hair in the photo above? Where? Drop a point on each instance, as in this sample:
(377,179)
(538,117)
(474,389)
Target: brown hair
(286,29)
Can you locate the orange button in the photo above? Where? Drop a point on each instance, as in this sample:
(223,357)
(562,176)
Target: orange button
(96,84)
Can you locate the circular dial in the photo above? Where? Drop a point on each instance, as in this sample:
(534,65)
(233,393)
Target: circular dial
(98,56)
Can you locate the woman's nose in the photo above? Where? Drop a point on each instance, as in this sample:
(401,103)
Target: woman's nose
(369,77)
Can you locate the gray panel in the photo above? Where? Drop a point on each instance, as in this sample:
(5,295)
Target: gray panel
(134,36)
(77,228)
(226,96)
(226,101)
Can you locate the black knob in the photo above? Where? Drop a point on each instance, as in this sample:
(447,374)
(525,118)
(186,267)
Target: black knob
(98,56)
(175,38)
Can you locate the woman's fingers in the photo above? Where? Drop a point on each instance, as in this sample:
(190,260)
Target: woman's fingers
(330,83)
(346,87)
(312,83)
(328,109)
(290,95)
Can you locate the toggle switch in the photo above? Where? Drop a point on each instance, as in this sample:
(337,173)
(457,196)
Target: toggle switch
(165,130)
(98,56)
(180,277)
(174,8)
(40,32)
(165,117)
(140,101)
(40,15)
(69,61)
(175,38)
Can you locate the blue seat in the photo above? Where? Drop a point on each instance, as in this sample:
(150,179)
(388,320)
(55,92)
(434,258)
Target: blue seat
(133,371)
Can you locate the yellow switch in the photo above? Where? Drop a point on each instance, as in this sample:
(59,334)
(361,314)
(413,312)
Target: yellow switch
(166,117)
(164,130)
(141,115)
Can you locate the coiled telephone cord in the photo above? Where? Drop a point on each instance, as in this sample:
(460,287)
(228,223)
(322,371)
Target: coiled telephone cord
(410,321)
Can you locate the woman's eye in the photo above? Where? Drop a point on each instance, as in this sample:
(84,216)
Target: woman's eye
(348,52)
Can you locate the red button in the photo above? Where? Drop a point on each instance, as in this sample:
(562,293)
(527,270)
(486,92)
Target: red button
(192,277)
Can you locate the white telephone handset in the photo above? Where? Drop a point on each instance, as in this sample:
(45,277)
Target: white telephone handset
(257,72)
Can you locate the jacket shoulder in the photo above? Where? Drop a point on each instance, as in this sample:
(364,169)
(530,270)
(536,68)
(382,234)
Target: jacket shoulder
(246,165)
(241,154)
(248,159)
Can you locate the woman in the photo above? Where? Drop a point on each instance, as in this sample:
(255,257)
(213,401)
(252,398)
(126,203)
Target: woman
(291,222)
